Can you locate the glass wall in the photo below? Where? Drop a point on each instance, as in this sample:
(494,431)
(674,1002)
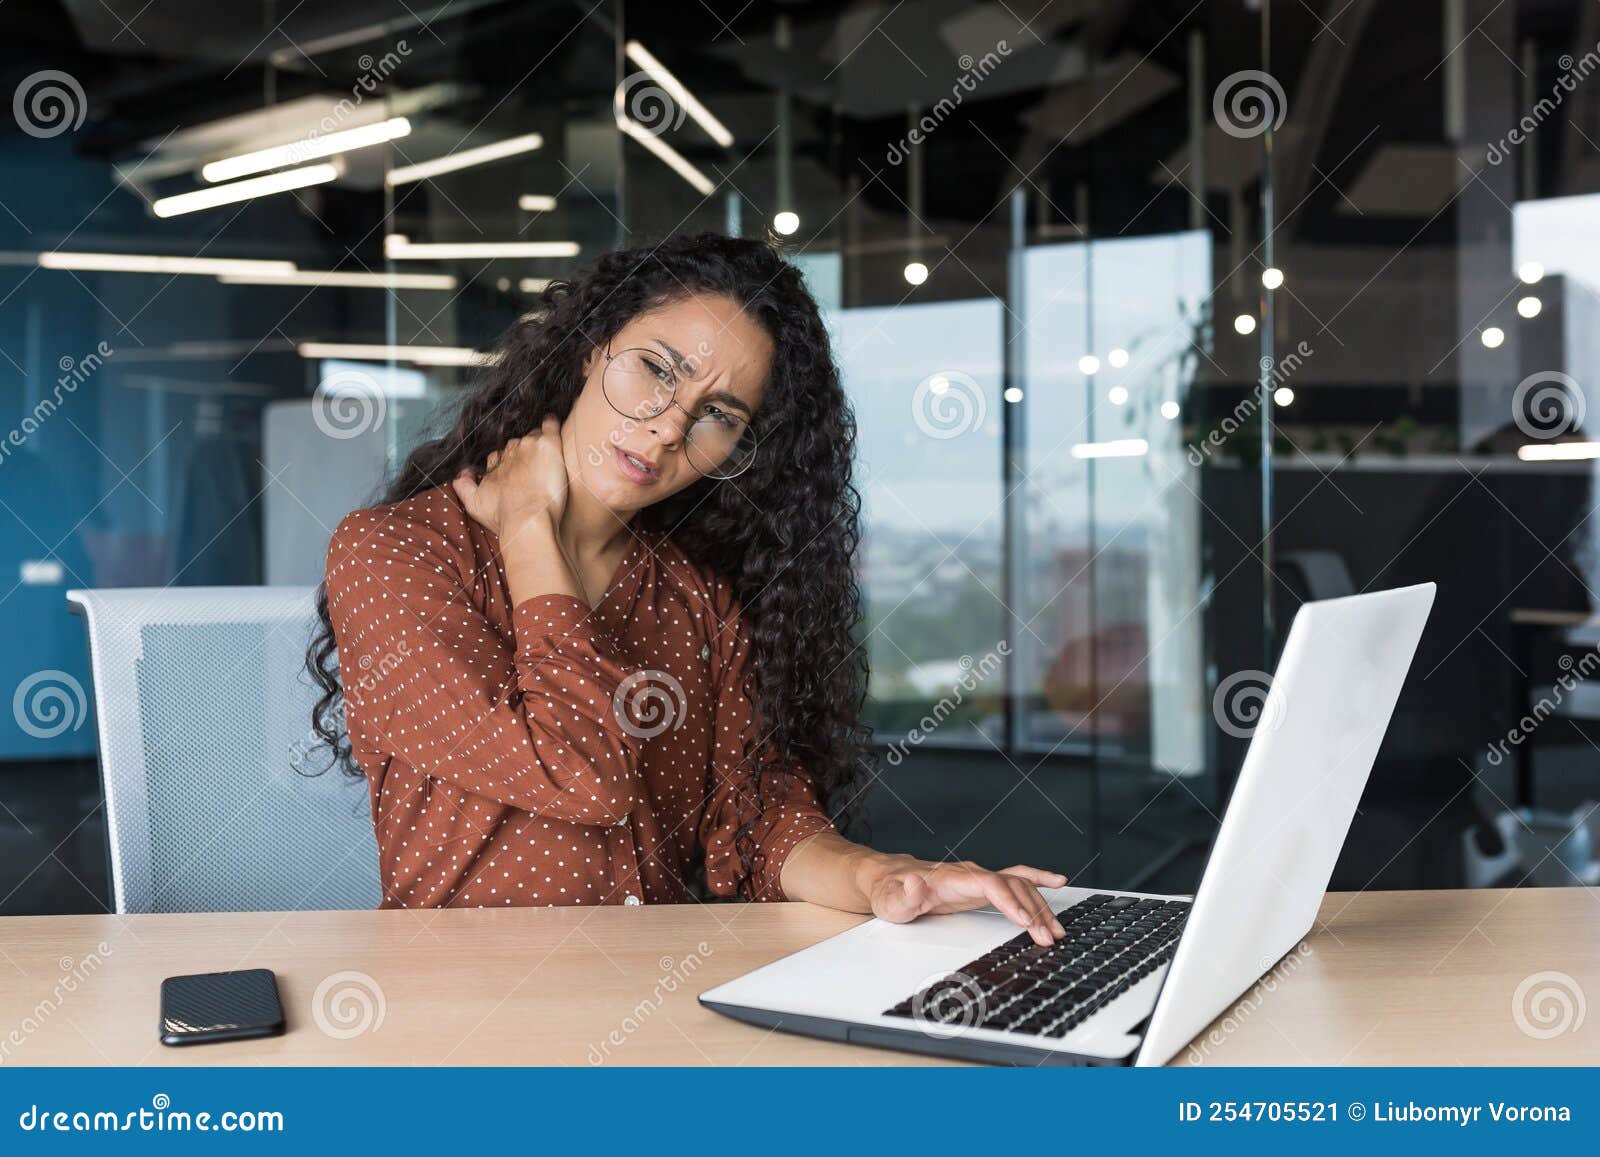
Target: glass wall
(1432,172)
(1158,319)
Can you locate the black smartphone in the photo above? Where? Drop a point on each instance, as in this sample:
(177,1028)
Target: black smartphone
(217,1006)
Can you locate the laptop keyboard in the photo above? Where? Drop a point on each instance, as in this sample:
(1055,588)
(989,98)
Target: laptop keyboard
(1112,943)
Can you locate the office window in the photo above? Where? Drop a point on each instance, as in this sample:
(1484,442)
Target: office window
(1113,337)
(925,382)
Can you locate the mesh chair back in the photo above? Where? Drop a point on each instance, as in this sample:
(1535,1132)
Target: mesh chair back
(207,756)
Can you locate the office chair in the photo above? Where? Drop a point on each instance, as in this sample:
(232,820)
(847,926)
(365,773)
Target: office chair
(206,755)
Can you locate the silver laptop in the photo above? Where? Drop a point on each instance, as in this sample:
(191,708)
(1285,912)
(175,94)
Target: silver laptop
(1137,976)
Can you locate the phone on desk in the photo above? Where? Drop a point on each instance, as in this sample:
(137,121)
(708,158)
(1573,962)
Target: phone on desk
(219,1006)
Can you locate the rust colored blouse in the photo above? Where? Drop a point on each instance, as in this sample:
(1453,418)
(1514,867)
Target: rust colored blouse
(547,753)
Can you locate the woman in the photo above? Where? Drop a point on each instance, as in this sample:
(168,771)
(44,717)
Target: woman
(603,628)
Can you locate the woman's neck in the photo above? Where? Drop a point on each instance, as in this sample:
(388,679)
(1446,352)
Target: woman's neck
(588,530)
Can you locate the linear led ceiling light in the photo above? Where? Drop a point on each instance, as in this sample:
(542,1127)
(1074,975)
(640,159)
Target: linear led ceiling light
(308,149)
(685,100)
(339,278)
(151,263)
(669,156)
(400,248)
(465,159)
(1118,448)
(1559,451)
(422,355)
(245,190)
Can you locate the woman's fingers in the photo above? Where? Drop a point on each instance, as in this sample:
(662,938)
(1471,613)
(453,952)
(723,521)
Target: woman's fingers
(1032,879)
(1037,876)
(1036,925)
(466,487)
(1040,907)
(998,891)
(963,886)
(1035,914)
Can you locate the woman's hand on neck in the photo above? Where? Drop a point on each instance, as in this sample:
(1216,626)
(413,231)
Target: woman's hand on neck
(522,483)
(550,532)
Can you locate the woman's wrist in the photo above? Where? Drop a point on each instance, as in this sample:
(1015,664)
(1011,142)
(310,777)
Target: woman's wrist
(536,523)
(872,866)
(531,554)
(830,870)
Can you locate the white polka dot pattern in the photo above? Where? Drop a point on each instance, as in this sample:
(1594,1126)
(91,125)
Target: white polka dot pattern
(499,771)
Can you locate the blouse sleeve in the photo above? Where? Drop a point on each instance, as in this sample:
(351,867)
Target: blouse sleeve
(791,812)
(429,681)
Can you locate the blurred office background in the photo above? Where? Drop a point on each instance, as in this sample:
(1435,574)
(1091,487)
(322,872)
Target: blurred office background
(1159,318)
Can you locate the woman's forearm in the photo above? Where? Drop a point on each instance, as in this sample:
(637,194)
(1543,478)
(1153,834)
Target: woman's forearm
(828,869)
(534,563)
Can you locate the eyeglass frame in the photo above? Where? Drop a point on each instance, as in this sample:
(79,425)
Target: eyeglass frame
(672,401)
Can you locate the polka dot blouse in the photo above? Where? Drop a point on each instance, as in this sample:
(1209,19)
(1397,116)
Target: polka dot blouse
(548,753)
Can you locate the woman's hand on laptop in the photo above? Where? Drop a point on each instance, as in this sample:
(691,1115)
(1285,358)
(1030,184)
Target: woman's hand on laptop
(919,887)
(828,869)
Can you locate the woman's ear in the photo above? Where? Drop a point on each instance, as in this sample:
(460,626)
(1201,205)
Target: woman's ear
(591,361)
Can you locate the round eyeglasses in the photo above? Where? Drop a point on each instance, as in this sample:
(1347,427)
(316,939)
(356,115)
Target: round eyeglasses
(641,384)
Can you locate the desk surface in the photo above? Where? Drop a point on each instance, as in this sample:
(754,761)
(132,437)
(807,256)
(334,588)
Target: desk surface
(1388,978)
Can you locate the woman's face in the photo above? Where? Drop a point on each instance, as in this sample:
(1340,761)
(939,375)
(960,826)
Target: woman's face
(702,353)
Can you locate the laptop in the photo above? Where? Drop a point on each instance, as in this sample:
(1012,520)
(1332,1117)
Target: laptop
(1137,976)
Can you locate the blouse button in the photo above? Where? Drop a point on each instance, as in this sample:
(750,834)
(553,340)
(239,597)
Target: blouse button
(631,900)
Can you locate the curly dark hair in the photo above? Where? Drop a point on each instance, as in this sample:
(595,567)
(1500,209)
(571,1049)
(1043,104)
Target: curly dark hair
(784,534)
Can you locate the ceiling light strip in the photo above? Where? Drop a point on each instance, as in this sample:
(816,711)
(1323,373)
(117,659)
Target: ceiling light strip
(685,99)
(465,159)
(308,149)
(245,190)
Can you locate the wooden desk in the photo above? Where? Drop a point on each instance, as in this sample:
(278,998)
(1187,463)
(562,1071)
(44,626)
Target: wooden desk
(1395,978)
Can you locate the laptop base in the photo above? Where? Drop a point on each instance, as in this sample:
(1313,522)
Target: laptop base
(955,1046)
